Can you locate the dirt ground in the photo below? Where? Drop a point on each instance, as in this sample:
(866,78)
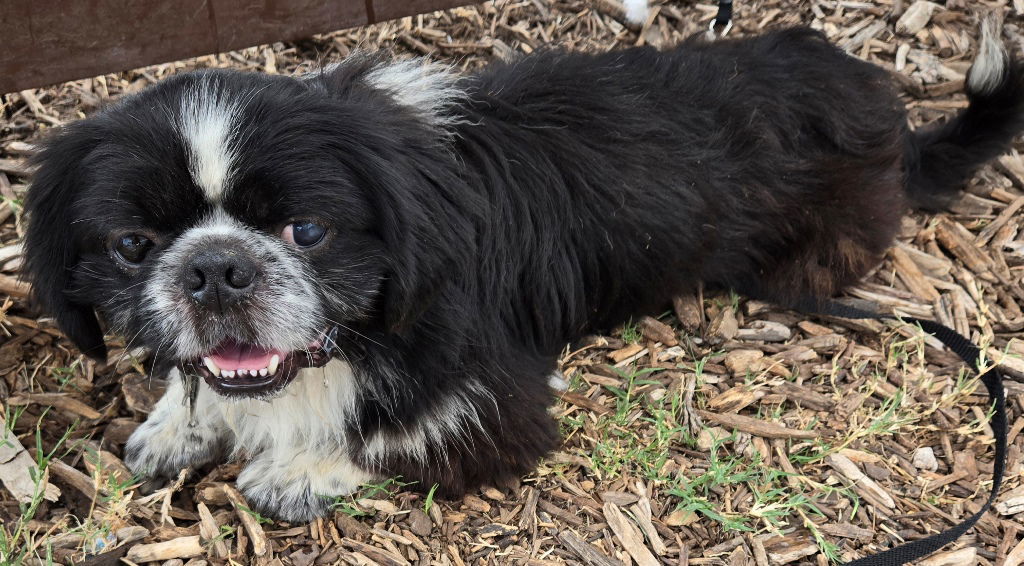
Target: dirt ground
(724,432)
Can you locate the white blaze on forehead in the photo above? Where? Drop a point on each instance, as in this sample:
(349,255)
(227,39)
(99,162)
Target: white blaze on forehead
(206,123)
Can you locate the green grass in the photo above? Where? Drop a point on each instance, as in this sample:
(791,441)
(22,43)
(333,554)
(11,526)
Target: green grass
(428,501)
(255,515)
(386,489)
(17,541)
(65,375)
(621,445)
(631,333)
(640,435)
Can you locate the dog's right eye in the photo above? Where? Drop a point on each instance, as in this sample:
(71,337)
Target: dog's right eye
(131,249)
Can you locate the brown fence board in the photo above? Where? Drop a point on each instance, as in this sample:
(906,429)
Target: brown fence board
(49,41)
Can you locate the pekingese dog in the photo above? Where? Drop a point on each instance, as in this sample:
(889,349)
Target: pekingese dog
(371,270)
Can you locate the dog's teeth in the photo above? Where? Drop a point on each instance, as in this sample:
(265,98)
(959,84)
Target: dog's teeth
(228,373)
(211,366)
(274,361)
(263,372)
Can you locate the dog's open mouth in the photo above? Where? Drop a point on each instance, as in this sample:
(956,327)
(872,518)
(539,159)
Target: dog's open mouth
(245,369)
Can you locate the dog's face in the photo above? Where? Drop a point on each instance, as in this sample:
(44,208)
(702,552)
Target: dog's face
(232,223)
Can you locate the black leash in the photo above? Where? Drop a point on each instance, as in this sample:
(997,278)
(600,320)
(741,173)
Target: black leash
(723,19)
(960,346)
(993,381)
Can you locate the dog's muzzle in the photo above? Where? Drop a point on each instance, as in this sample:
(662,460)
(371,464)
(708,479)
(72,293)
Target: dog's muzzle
(219,278)
(224,282)
(236,368)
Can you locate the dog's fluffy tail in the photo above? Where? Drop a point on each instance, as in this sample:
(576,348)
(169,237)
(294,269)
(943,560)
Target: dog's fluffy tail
(942,156)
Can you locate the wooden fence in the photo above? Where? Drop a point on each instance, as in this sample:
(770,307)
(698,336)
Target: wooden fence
(51,41)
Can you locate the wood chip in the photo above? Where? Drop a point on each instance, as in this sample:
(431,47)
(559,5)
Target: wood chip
(60,401)
(141,393)
(997,224)
(805,397)
(252,526)
(629,536)
(968,555)
(846,530)
(1011,503)
(734,399)
(723,327)
(76,479)
(861,483)
(657,331)
(16,167)
(766,331)
(210,531)
(182,547)
(381,556)
(17,468)
(586,552)
(642,513)
(916,17)
(783,550)
(912,276)
(1016,556)
(624,353)
(960,242)
(756,427)
(742,362)
(584,402)
(14,287)
(688,311)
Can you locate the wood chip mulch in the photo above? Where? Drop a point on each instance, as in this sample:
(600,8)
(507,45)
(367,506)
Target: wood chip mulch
(724,432)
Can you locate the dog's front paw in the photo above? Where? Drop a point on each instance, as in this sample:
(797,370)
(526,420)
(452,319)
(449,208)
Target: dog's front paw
(299,487)
(168,442)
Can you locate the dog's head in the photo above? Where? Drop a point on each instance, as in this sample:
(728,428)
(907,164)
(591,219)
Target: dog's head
(230,222)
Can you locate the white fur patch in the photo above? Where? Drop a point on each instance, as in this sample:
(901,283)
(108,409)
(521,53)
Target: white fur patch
(636,11)
(313,411)
(989,66)
(557,382)
(165,443)
(453,418)
(296,442)
(428,88)
(206,123)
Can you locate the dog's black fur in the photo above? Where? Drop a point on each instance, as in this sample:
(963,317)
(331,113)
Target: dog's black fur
(565,193)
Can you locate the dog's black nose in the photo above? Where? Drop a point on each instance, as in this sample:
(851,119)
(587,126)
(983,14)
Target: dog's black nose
(217,279)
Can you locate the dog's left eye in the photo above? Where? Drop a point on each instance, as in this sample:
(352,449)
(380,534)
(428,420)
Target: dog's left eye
(304,234)
(132,248)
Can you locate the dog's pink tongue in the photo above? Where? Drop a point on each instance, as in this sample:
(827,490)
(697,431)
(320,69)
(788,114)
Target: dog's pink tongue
(234,356)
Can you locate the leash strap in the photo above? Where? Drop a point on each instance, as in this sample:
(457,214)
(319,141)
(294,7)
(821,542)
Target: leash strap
(993,381)
(723,19)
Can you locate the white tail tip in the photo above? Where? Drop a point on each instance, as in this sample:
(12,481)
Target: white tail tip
(636,11)
(986,74)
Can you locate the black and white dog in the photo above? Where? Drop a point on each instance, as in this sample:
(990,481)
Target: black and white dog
(374,268)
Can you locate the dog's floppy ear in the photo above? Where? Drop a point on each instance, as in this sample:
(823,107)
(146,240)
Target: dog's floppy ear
(425,220)
(50,247)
